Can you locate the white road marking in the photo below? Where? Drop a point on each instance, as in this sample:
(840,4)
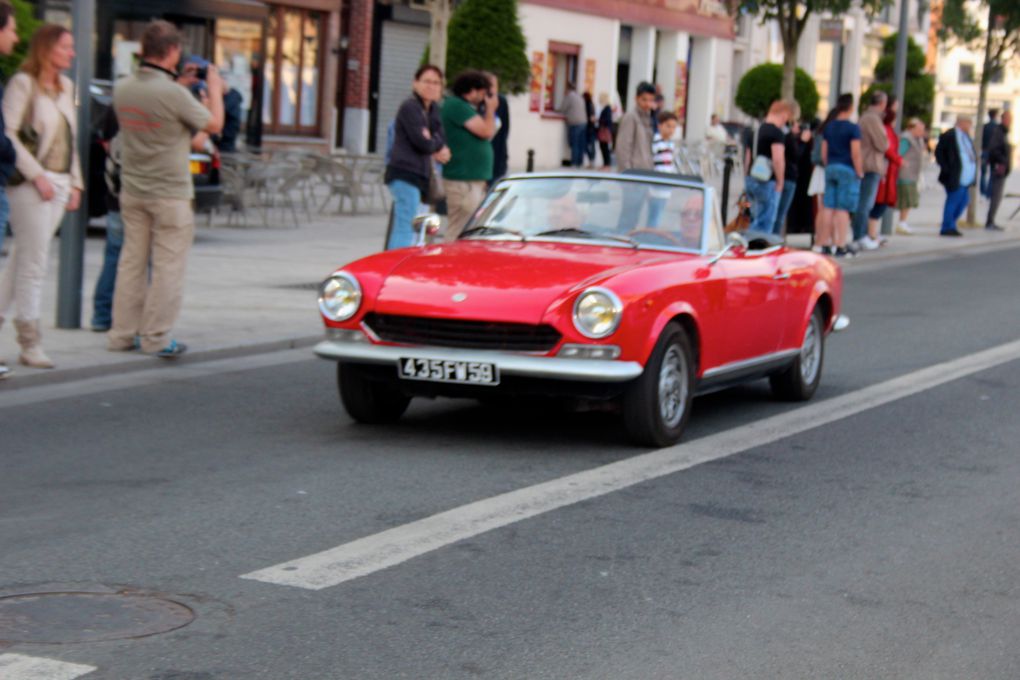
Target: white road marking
(21,667)
(394,546)
(77,388)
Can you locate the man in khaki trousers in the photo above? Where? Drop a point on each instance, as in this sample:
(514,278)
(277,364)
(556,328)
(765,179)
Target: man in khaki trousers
(158,118)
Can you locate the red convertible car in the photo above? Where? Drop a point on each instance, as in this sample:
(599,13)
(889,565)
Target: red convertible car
(613,287)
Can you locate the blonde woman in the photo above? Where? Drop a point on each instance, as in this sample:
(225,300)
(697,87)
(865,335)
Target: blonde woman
(41,98)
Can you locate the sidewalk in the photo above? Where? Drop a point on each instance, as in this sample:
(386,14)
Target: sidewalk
(254,289)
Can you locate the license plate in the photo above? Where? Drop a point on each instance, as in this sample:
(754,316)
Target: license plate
(449,371)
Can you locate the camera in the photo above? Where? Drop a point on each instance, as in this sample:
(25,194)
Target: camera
(202,72)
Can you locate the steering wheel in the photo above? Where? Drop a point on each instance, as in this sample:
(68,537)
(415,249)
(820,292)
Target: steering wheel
(661,233)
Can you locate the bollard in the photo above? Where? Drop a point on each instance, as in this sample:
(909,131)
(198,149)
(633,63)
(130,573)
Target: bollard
(531,160)
(727,171)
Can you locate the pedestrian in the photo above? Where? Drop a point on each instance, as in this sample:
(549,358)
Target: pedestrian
(874,143)
(157,117)
(886,195)
(957,172)
(913,151)
(605,130)
(801,218)
(193,74)
(102,298)
(8,39)
(793,149)
(576,117)
(664,157)
(986,138)
(589,130)
(418,142)
(844,168)
(634,137)
(500,153)
(1000,163)
(468,134)
(47,181)
(767,167)
(716,132)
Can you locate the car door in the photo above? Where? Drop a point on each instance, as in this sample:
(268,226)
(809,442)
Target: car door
(796,278)
(753,303)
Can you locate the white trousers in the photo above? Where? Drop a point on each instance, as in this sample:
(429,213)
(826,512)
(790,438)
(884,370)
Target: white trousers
(33,223)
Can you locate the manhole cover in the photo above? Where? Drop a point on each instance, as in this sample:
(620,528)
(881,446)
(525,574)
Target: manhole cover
(53,618)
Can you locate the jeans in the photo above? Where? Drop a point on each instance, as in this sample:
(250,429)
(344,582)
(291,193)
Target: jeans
(785,201)
(996,187)
(576,135)
(764,203)
(5,211)
(985,183)
(102,299)
(869,192)
(406,206)
(956,203)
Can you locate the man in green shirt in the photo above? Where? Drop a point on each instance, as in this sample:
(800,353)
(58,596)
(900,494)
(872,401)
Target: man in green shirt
(468,134)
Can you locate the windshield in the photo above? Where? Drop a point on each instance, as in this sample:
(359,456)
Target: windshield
(628,213)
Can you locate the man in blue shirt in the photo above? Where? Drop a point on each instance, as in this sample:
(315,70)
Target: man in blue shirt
(957,172)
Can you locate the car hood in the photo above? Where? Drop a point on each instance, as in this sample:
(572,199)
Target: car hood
(499,280)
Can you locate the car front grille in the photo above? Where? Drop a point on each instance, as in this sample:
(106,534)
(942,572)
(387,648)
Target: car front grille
(512,337)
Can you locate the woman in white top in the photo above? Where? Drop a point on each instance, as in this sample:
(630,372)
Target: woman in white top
(47,181)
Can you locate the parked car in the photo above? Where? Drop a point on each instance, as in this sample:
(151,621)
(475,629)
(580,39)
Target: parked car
(613,287)
(204,166)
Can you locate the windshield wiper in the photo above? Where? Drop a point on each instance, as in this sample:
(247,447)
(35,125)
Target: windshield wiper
(492,229)
(577,231)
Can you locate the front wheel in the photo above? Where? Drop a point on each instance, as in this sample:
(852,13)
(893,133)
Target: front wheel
(656,405)
(800,380)
(369,401)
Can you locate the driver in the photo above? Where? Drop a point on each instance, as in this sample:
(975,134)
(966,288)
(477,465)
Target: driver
(564,213)
(691,217)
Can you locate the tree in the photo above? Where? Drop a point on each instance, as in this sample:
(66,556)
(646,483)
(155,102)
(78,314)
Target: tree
(919,92)
(761,86)
(792,16)
(487,35)
(998,38)
(24,16)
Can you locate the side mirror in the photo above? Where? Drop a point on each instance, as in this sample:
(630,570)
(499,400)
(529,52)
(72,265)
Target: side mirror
(734,240)
(426,226)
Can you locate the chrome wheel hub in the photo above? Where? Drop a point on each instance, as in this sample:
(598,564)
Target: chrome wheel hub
(672,387)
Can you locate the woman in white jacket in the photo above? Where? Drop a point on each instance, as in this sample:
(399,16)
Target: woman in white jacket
(41,98)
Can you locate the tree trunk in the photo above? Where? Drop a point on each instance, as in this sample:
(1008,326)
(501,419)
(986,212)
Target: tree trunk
(979,126)
(440,11)
(789,69)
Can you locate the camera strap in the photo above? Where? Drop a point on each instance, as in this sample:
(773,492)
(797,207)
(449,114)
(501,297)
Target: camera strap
(157,67)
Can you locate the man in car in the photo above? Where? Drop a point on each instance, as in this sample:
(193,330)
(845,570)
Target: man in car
(564,213)
(691,219)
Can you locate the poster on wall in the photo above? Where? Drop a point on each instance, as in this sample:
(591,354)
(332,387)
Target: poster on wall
(681,92)
(537,80)
(550,83)
(589,76)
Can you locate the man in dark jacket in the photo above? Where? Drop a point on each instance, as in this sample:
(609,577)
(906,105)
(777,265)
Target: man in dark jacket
(986,138)
(957,172)
(1000,162)
(8,39)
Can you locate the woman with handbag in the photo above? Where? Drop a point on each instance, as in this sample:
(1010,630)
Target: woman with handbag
(418,142)
(40,116)
(605,130)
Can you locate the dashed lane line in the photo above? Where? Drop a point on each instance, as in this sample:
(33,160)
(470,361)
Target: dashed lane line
(379,551)
(21,667)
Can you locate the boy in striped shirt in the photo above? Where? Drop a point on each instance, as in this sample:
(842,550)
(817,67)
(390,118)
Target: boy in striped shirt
(663,151)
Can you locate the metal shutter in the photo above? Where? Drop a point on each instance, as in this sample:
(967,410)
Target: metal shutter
(403,46)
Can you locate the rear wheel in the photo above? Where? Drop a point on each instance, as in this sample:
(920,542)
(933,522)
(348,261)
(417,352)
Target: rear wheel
(800,380)
(656,405)
(369,401)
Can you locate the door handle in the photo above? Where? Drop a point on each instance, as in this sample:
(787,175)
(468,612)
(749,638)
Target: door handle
(780,276)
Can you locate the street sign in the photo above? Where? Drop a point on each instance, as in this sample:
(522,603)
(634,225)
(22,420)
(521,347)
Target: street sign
(831,30)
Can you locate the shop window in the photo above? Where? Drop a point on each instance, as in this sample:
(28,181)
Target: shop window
(966,74)
(237,48)
(290,103)
(562,68)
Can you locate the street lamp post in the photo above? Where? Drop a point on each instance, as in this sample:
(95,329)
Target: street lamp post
(72,232)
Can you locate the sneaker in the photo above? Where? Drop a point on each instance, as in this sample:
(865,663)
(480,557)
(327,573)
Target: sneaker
(844,252)
(853,247)
(99,328)
(173,350)
(4,371)
(954,232)
(868,243)
(904,229)
(826,250)
(994,227)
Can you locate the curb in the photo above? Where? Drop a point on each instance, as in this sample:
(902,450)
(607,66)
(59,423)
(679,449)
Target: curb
(145,363)
(870,261)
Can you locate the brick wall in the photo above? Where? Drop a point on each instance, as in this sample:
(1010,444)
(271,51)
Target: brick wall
(359,54)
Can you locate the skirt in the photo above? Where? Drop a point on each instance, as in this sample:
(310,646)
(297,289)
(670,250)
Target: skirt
(816,185)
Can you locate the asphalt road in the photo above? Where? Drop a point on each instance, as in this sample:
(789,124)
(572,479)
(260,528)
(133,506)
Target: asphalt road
(883,544)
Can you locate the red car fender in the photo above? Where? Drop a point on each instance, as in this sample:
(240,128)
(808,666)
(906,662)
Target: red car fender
(665,315)
(821,289)
(371,273)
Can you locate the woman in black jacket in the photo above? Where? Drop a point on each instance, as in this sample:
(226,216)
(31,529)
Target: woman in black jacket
(418,139)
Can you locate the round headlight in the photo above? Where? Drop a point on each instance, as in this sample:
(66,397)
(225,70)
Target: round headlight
(339,297)
(597,313)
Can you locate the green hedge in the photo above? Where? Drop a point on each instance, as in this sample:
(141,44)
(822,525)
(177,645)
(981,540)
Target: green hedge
(487,35)
(24,15)
(761,86)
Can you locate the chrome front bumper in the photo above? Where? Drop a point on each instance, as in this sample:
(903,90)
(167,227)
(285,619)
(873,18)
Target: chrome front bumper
(588,370)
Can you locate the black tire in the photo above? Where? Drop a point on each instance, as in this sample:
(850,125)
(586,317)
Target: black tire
(648,420)
(369,401)
(800,380)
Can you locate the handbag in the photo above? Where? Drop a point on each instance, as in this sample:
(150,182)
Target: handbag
(27,135)
(604,135)
(761,168)
(437,192)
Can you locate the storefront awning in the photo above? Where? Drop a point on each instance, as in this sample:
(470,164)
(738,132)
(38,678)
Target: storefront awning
(208,9)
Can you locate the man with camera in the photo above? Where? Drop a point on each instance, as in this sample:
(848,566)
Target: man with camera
(158,118)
